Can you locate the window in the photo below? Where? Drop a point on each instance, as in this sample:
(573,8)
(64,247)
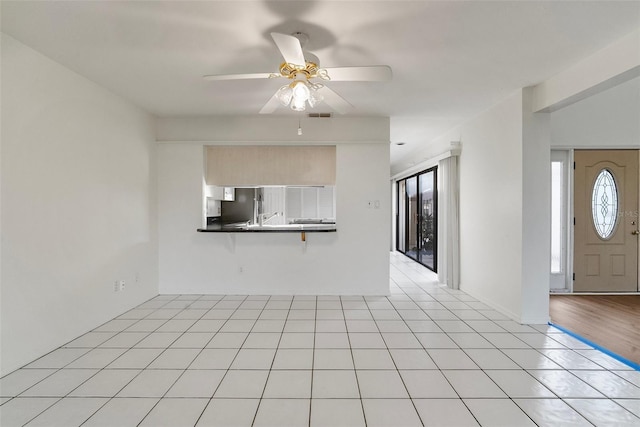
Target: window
(560,261)
(557,203)
(604,204)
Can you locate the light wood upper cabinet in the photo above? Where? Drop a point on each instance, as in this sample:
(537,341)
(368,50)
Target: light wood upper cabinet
(248,165)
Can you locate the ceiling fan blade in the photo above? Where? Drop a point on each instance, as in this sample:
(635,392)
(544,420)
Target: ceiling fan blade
(239,76)
(374,73)
(272,104)
(290,48)
(334,100)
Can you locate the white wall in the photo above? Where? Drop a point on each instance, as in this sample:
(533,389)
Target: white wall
(78,205)
(503,199)
(536,212)
(353,260)
(615,64)
(608,119)
(491,206)
(272,129)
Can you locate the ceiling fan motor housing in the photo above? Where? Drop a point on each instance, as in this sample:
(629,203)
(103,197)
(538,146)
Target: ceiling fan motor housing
(303,38)
(291,71)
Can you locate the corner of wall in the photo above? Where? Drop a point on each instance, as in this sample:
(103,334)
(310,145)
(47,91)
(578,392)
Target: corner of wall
(78,205)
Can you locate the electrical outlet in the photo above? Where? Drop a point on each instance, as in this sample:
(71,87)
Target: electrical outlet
(118,286)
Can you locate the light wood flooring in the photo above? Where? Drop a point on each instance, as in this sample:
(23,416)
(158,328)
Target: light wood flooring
(611,321)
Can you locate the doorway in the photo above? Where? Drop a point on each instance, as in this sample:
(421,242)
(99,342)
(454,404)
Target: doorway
(417,222)
(606,221)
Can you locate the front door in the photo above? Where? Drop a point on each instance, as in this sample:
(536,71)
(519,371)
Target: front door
(606,221)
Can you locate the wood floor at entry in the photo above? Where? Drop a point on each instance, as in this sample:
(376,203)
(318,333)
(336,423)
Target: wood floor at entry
(611,321)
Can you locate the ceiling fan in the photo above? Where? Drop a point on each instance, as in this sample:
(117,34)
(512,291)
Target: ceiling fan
(303,68)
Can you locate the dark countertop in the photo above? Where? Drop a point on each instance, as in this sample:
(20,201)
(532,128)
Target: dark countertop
(254,228)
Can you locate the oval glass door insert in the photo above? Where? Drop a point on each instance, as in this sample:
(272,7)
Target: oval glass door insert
(604,204)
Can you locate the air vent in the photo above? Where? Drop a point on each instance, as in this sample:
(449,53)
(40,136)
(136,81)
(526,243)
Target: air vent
(319,115)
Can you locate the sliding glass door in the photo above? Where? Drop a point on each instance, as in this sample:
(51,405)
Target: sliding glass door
(417,218)
(412,216)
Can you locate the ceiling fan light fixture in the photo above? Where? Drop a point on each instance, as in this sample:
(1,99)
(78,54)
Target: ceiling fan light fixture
(300,95)
(297,105)
(297,94)
(285,94)
(301,91)
(315,98)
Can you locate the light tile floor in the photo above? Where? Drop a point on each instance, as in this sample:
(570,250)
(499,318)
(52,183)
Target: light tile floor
(425,355)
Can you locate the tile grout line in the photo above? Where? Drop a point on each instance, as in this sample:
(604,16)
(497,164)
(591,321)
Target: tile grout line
(109,399)
(74,360)
(284,325)
(480,368)
(483,370)
(169,346)
(56,370)
(313,359)
(234,358)
(425,349)
(355,374)
(509,397)
(391,356)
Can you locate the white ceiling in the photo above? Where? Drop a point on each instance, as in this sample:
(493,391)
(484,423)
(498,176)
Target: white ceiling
(450,59)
